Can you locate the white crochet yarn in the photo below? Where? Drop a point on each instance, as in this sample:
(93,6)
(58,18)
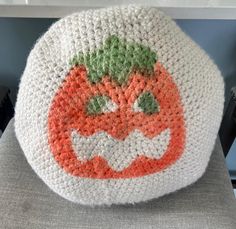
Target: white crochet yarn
(115,151)
(200,87)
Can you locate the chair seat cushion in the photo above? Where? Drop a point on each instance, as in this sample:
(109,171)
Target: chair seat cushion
(26,202)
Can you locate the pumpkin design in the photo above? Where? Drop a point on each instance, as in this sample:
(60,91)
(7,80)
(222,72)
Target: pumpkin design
(118,106)
(117,114)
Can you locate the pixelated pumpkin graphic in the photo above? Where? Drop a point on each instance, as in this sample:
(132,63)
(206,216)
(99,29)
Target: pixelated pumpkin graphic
(117,114)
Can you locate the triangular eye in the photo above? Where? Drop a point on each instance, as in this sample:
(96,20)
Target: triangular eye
(99,104)
(147,103)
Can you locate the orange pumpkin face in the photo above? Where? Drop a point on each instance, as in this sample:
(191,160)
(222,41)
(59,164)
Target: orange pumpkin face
(69,112)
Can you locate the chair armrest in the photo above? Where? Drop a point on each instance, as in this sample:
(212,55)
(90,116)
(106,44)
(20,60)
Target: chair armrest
(6,107)
(227,131)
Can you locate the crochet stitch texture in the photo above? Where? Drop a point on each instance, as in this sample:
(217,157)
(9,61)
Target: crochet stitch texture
(118,105)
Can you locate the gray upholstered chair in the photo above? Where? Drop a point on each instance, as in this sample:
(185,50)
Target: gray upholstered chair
(26,202)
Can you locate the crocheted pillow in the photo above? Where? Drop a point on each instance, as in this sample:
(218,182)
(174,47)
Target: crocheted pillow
(117,106)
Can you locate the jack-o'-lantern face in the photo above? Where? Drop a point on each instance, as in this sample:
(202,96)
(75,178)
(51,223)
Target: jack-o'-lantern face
(118,114)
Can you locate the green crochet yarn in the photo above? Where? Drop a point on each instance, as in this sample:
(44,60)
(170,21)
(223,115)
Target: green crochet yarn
(96,104)
(148,103)
(117,58)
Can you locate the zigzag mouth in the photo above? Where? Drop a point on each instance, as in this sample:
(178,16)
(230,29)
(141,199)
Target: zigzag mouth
(119,154)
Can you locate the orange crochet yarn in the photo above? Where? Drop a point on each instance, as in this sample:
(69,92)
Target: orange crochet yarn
(68,112)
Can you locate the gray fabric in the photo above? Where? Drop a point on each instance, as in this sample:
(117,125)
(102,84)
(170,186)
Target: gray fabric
(26,202)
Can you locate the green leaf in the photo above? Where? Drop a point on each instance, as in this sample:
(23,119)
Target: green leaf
(116,58)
